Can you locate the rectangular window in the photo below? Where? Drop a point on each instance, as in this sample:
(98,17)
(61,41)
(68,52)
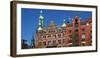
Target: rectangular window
(70,41)
(49,42)
(70,31)
(52,30)
(59,35)
(83,29)
(44,43)
(70,36)
(44,36)
(83,44)
(83,36)
(54,35)
(91,36)
(64,40)
(83,39)
(54,42)
(76,30)
(59,41)
(49,35)
(76,44)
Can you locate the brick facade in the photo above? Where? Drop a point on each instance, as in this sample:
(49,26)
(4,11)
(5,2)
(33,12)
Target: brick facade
(76,33)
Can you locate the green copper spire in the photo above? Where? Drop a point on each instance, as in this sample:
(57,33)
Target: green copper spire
(41,18)
(64,23)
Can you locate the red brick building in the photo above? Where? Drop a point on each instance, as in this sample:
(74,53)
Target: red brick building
(77,33)
(80,32)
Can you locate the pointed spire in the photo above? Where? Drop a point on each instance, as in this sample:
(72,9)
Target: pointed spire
(41,17)
(40,21)
(64,23)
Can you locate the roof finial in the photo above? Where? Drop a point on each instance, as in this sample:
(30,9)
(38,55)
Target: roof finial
(41,12)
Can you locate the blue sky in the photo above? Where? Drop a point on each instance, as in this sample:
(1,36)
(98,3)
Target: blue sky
(30,18)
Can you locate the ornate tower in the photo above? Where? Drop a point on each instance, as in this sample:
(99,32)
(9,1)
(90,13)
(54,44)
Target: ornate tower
(40,28)
(76,32)
(41,20)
